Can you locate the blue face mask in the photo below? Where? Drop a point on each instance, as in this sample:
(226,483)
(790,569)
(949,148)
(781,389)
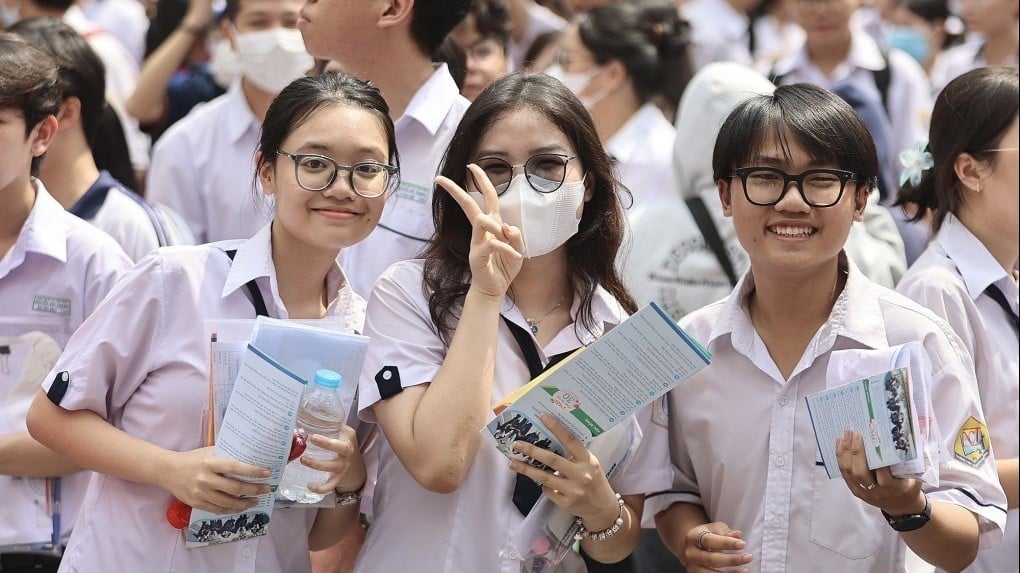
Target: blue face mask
(910,40)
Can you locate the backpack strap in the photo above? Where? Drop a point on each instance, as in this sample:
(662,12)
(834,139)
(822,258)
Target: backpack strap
(253,289)
(711,235)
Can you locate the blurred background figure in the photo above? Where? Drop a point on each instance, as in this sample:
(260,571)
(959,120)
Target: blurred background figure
(992,40)
(484,35)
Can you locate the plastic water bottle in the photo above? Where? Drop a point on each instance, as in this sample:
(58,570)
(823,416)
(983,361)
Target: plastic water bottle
(321,412)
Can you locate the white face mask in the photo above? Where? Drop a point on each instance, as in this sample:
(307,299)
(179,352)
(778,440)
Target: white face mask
(546,220)
(273,58)
(577,82)
(224,64)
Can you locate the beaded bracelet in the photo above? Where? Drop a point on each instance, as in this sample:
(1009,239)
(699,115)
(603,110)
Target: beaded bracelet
(606,533)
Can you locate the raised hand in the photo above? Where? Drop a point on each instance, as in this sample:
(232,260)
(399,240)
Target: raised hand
(347,469)
(206,482)
(496,248)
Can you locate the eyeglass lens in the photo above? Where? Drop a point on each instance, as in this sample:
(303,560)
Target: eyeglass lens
(545,172)
(368,179)
(766,186)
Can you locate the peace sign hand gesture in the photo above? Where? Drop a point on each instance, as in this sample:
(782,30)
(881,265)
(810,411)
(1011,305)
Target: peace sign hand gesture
(496,248)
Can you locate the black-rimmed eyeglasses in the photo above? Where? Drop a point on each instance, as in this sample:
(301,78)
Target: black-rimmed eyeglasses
(545,171)
(766,186)
(369,179)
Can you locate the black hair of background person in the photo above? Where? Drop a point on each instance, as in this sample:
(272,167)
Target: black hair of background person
(591,252)
(29,83)
(451,54)
(971,115)
(650,39)
(492,20)
(934,12)
(168,16)
(432,20)
(83,76)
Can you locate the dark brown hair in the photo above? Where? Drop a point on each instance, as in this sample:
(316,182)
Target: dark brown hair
(591,253)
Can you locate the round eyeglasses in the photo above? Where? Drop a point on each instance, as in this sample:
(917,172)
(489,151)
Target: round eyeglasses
(369,179)
(766,186)
(545,171)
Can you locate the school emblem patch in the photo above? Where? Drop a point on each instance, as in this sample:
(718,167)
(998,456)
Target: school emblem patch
(972,443)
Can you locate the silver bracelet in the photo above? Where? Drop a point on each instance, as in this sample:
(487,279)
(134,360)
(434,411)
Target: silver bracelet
(606,533)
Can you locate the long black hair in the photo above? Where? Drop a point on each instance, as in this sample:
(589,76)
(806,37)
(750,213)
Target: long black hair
(591,253)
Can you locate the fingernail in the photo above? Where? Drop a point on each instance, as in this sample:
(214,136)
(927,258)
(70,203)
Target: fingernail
(741,545)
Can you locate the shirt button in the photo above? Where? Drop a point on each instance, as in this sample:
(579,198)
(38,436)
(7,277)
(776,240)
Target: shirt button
(513,555)
(775,522)
(780,461)
(246,552)
(783,400)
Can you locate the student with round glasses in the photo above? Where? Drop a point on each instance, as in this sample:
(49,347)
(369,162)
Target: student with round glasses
(794,170)
(520,272)
(127,402)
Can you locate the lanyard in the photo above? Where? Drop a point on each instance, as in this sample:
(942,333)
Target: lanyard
(526,491)
(253,289)
(995,294)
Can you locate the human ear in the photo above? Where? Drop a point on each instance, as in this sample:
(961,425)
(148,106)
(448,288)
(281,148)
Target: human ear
(723,185)
(266,172)
(968,170)
(861,201)
(42,135)
(69,114)
(397,12)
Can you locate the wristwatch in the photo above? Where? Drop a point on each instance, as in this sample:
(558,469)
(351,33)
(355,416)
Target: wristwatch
(911,521)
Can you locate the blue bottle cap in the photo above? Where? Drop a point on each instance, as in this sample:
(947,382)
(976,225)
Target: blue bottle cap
(327,378)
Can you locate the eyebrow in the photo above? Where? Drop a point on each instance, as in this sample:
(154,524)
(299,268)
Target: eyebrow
(552,148)
(323,149)
(770,161)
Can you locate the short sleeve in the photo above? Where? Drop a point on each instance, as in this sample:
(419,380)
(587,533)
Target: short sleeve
(111,353)
(649,471)
(405,349)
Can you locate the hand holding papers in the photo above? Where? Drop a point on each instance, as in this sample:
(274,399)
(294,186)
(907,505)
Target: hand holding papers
(891,411)
(598,387)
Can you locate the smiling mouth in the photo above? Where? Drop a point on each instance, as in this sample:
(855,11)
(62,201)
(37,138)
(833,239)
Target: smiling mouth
(791,231)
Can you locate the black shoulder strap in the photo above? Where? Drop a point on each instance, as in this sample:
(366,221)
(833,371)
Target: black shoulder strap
(704,220)
(253,289)
(995,294)
(882,79)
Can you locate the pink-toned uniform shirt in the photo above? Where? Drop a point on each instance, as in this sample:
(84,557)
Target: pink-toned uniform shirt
(743,446)
(470,529)
(950,278)
(141,363)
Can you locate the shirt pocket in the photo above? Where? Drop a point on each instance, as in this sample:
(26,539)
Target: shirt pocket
(29,348)
(842,523)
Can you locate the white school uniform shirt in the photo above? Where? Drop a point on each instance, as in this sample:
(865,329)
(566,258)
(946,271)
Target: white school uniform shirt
(120,214)
(950,278)
(909,95)
(406,224)
(203,167)
(719,31)
(469,529)
(141,363)
(643,154)
(51,280)
(744,448)
(123,19)
(959,60)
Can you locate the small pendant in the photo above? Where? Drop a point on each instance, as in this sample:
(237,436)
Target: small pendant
(534,329)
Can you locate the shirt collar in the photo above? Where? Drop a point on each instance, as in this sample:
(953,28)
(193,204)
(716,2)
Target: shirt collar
(431,103)
(45,231)
(631,137)
(606,313)
(254,260)
(238,115)
(864,53)
(861,322)
(976,265)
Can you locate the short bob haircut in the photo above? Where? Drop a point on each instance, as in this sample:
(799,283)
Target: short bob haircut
(972,113)
(29,84)
(817,120)
(591,253)
(304,96)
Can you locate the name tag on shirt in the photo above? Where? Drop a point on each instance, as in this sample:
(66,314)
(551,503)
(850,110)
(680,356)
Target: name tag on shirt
(52,305)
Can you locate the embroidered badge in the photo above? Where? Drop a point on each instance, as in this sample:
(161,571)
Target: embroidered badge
(388,381)
(51,304)
(972,443)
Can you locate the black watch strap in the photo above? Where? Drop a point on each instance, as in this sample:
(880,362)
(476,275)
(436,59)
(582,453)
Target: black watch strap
(911,521)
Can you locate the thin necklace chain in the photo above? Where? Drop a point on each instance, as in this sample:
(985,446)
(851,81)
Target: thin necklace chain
(534,323)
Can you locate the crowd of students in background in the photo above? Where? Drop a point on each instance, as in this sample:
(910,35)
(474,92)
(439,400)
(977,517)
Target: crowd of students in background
(481,186)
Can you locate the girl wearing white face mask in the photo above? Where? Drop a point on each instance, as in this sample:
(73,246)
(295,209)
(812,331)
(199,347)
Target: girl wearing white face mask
(522,263)
(272,58)
(629,63)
